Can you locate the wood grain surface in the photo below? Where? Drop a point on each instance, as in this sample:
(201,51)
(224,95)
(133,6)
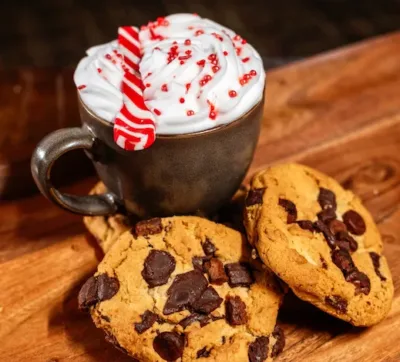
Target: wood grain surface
(338,112)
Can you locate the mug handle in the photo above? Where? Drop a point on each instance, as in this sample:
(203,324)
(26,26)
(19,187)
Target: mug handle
(52,147)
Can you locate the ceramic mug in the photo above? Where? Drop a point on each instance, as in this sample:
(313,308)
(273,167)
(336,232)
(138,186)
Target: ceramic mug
(179,174)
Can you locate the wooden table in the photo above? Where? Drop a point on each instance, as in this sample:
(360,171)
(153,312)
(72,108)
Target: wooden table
(338,112)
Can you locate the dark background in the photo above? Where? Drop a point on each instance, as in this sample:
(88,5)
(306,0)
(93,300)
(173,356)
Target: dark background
(57,32)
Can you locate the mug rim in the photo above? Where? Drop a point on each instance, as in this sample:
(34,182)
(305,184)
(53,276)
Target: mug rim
(183,135)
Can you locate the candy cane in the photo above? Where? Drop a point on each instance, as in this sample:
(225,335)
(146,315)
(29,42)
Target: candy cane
(134,127)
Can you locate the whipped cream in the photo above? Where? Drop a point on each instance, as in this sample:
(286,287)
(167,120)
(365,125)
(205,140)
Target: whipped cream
(197,75)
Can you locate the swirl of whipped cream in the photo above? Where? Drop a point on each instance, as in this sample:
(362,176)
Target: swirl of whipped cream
(197,75)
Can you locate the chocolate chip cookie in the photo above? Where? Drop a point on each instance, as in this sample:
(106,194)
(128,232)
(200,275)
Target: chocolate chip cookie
(185,288)
(320,240)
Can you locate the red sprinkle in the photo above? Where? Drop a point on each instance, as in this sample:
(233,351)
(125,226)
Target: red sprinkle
(182,100)
(157,48)
(212,56)
(182,62)
(187,87)
(99,70)
(156,111)
(108,56)
(199,32)
(174,42)
(215,68)
(253,72)
(148,85)
(245,60)
(190,113)
(149,74)
(202,83)
(213,115)
(225,53)
(188,52)
(184,57)
(164,88)
(201,62)
(238,51)
(190,27)
(236,37)
(244,41)
(243,81)
(188,42)
(207,77)
(232,94)
(219,37)
(81,87)
(247,76)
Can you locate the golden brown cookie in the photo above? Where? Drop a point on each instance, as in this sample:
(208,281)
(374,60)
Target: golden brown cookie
(320,240)
(185,288)
(107,229)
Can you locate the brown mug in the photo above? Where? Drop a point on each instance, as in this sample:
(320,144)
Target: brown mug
(180,174)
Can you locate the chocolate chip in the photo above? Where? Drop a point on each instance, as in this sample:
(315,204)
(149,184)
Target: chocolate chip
(346,241)
(337,302)
(88,294)
(97,289)
(194,317)
(354,222)
(258,350)
(107,287)
(279,341)
(148,319)
(184,291)
(158,267)
(105,318)
(235,311)
(360,281)
(208,247)
(306,225)
(291,210)
(319,226)
(336,226)
(343,261)
(327,199)
(223,339)
(255,196)
(326,215)
(203,353)
(148,227)
(324,264)
(110,338)
(239,275)
(377,264)
(215,271)
(208,301)
(169,345)
(199,261)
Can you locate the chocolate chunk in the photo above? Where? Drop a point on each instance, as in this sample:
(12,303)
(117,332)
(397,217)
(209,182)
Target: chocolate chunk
(184,291)
(208,247)
(239,275)
(110,338)
(354,222)
(337,302)
(235,311)
(327,199)
(291,210)
(346,241)
(97,289)
(360,281)
(343,261)
(194,317)
(324,264)
(215,271)
(327,215)
(279,341)
(258,350)
(208,301)
(169,345)
(199,261)
(255,196)
(203,353)
(336,226)
(88,294)
(377,264)
(107,287)
(319,226)
(148,227)
(158,267)
(148,319)
(306,225)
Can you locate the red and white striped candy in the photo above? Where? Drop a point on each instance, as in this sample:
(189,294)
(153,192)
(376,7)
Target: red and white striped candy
(134,127)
